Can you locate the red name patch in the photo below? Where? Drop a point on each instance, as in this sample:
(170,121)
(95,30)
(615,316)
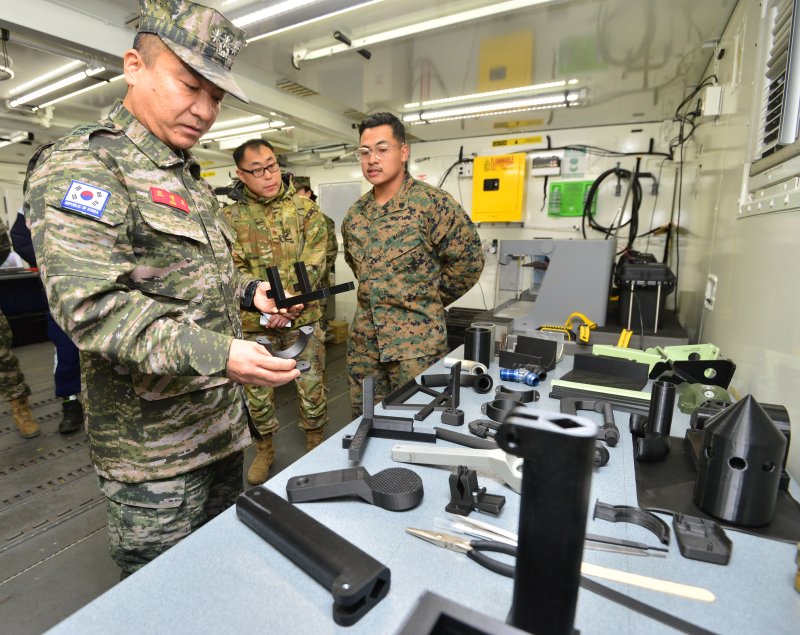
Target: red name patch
(168,198)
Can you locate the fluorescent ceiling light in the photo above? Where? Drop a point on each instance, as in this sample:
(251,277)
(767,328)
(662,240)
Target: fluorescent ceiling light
(539,102)
(243,130)
(491,94)
(46,77)
(78,92)
(271,12)
(325,16)
(301,54)
(15,138)
(51,88)
(235,123)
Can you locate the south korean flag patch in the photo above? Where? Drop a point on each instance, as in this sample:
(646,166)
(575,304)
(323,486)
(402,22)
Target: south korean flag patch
(85,199)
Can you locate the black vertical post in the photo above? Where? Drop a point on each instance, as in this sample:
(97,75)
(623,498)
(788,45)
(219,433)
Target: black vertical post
(558,453)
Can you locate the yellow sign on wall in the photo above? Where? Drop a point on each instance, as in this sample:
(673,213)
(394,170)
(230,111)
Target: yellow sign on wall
(498,187)
(505,61)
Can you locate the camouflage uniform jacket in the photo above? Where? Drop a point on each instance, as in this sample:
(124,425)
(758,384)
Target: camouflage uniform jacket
(136,260)
(412,257)
(279,232)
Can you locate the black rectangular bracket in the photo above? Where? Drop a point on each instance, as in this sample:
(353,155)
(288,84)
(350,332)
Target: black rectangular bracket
(305,293)
(381,426)
(449,398)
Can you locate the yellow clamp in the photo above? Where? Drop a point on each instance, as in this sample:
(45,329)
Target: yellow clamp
(624,338)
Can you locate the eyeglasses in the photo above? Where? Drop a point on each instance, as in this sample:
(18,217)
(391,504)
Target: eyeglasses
(259,172)
(380,150)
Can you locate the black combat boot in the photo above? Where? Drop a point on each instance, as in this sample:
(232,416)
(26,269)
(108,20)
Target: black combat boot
(72,421)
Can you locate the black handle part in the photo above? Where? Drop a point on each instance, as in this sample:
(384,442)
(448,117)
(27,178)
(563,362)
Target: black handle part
(395,488)
(355,579)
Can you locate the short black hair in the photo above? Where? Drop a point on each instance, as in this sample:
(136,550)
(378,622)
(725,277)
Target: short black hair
(149,46)
(384,119)
(250,144)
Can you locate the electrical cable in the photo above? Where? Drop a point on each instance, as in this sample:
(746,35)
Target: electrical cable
(632,222)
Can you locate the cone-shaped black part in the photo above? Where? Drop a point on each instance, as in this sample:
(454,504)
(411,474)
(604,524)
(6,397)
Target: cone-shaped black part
(740,465)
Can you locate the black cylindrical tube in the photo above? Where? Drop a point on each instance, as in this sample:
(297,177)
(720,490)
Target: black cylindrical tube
(556,478)
(476,344)
(662,405)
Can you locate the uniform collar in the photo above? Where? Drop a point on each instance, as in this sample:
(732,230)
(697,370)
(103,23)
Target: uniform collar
(150,145)
(283,192)
(398,201)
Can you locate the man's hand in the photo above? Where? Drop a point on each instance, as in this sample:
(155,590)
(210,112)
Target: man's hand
(250,363)
(267,305)
(277,321)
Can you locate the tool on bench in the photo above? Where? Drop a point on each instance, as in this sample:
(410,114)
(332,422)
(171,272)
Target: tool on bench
(380,426)
(479,529)
(608,432)
(396,488)
(356,580)
(466,496)
(448,399)
(585,328)
(507,467)
(474,549)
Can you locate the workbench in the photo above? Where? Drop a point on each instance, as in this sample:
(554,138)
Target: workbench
(225,578)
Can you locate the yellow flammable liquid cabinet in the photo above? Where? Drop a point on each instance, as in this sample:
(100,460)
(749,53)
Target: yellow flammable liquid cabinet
(498,184)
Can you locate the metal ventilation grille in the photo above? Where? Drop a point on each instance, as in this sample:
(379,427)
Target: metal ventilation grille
(293,88)
(781,93)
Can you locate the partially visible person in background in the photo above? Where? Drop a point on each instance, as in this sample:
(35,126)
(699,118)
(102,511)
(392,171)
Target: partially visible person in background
(12,382)
(302,185)
(67,373)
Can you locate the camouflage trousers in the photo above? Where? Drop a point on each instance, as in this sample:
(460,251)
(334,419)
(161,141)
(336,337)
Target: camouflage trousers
(12,381)
(388,375)
(311,389)
(146,519)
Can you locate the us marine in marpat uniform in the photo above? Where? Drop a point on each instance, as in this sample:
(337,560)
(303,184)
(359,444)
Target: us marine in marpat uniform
(413,250)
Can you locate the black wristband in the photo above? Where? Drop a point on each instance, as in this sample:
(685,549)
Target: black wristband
(249,296)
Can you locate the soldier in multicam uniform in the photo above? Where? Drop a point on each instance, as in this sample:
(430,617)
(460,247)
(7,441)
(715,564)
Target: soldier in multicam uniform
(413,251)
(136,260)
(276,227)
(12,382)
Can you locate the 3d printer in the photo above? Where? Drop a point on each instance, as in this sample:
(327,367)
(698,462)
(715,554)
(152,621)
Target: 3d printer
(543,280)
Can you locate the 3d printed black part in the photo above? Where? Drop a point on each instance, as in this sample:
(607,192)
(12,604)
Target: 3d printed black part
(467,440)
(716,372)
(453,417)
(601,455)
(480,383)
(610,372)
(449,398)
(739,471)
(701,539)
(609,431)
(654,445)
(557,456)
(483,428)
(497,409)
(355,579)
(382,426)
(303,286)
(396,488)
(477,344)
(305,332)
(635,515)
(466,496)
(523,396)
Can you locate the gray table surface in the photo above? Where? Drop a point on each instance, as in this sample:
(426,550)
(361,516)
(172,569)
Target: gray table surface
(225,578)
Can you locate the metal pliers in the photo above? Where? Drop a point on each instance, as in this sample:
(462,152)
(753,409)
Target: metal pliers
(472,548)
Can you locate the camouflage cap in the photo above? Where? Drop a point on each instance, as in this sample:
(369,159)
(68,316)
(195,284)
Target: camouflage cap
(200,36)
